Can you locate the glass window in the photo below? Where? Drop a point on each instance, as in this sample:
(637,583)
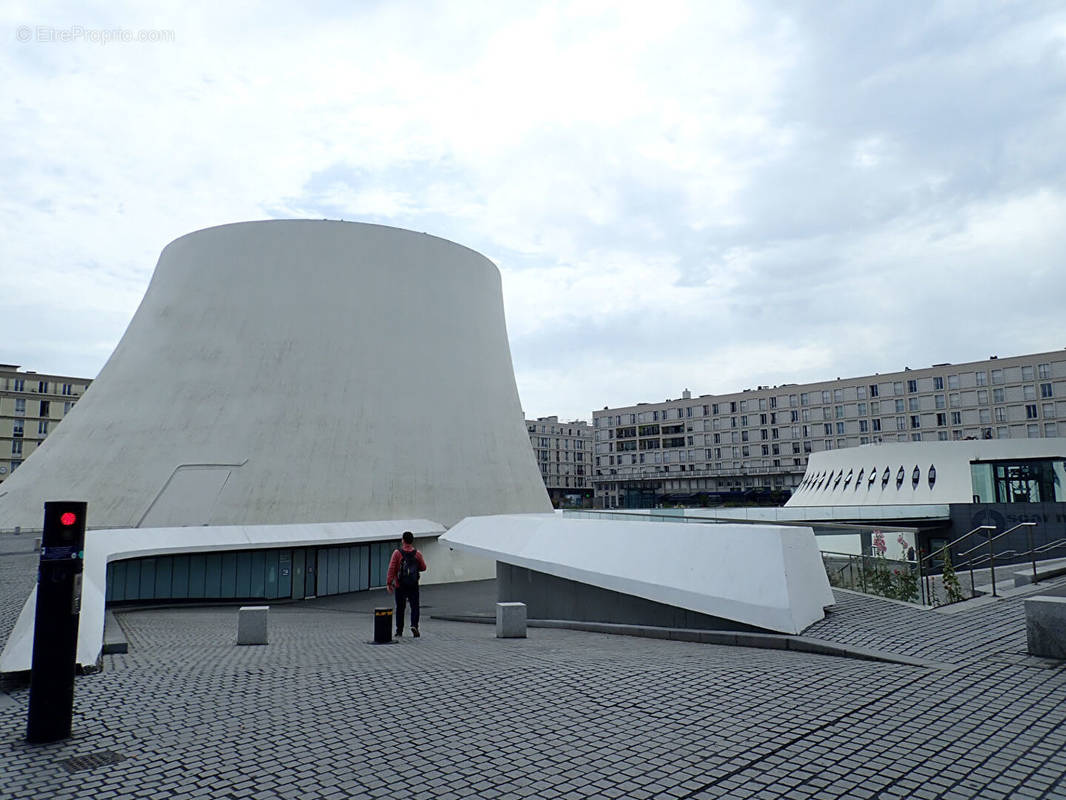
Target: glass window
(1043,370)
(982,396)
(1027,373)
(1029,392)
(982,378)
(953,381)
(997,376)
(897,387)
(1046,390)
(938,383)
(912,386)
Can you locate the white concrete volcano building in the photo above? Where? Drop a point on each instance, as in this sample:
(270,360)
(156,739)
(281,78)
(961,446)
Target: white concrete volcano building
(297,371)
(292,395)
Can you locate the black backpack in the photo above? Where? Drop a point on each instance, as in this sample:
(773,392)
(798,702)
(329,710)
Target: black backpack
(408,573)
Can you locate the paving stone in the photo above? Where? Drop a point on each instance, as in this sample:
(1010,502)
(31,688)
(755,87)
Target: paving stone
(321,714)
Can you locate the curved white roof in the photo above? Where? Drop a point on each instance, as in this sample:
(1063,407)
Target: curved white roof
(908,473)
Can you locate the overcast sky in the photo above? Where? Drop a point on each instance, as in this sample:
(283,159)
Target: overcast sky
(697,195)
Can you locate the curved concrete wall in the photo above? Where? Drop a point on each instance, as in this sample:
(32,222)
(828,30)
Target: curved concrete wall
(297,371)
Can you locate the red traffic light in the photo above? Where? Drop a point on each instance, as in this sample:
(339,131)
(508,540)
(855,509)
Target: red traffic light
(68,518)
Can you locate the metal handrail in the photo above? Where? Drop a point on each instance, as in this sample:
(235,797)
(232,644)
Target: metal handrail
(991,557)
(1051,545)
(926,580)
(956,541)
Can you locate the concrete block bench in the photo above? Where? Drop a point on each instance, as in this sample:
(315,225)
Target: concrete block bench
(252,625)
(510,620)
(1045,626)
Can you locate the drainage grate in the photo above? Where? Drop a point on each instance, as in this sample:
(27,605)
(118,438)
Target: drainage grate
(103,758)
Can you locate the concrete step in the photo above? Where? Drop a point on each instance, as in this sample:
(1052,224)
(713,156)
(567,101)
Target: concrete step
(1044,570)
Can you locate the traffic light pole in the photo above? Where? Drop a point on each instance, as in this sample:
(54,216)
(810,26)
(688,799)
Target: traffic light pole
(55,628)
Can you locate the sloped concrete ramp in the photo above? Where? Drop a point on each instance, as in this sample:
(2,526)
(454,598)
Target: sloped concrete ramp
(766,577)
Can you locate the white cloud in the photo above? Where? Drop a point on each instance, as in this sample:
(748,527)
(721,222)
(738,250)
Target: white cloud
(687,194)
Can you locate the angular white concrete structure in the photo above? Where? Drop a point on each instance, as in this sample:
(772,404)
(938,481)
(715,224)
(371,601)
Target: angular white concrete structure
(297,372)
(767,577)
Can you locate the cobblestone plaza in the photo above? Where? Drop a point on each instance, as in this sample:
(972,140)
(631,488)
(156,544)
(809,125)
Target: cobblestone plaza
(321,713)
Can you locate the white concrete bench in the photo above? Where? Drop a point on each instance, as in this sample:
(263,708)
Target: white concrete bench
(1045,626)
(252,625)
(510,620)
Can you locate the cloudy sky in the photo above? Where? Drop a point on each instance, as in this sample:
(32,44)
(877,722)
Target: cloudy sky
(697,195)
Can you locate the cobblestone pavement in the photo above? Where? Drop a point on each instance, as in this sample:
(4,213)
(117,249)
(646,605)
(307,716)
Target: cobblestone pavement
(321,713)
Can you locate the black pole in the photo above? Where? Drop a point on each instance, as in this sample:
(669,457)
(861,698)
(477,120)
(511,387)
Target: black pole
(55,627)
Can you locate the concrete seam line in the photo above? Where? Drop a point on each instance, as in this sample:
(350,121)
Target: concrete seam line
(798,644)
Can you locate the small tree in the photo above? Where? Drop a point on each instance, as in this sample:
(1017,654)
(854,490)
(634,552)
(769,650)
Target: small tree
(952,589)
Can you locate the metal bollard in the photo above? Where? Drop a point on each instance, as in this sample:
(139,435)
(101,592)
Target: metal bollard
(382,625)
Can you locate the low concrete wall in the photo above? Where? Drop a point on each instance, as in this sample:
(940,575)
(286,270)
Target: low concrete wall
(1045,626)
(549,597)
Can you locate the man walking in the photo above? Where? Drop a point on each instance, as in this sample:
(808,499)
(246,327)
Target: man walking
(405,567)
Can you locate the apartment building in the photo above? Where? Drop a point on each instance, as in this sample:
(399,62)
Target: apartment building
(563,451)
(755,443)
(31,405)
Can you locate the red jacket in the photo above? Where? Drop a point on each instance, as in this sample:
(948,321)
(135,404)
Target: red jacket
(394,564)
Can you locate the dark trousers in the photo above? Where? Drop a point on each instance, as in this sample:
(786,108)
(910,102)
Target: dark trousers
(404,595)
